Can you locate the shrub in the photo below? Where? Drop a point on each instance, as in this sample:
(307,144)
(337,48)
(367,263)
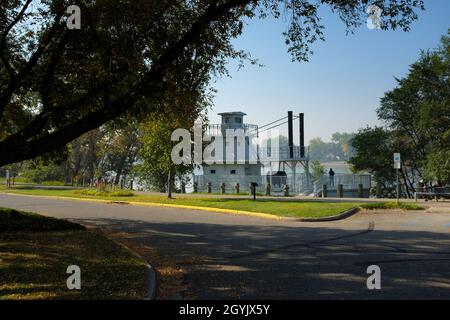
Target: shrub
(96,193)
(53,183)
(392,205)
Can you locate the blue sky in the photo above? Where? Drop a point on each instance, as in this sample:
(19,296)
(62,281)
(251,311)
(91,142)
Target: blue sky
(340,87)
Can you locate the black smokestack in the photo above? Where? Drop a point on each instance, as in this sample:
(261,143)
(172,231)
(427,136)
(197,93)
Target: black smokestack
(302,134)
(291,134)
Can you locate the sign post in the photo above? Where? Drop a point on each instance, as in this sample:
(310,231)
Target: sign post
(8,181)
(397,166)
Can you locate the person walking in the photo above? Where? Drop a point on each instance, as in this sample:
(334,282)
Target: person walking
(331,174)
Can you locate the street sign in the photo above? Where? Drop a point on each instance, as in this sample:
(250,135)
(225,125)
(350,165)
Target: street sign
(8,180)
(397,161)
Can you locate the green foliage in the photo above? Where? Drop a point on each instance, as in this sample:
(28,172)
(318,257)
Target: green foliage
(343,139)
(338,149)
(392,205)
(317,169)
(39,171)
(105,193)
(131,57)
(417,118)
(438,166)
(53,183)
(155,154)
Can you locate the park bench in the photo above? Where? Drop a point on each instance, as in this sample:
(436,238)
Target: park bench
(434,193)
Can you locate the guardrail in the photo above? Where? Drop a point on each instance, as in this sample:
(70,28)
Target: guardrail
(349,181)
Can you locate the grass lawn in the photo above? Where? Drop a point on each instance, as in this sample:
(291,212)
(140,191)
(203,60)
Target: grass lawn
(35,252)
(308,209)
(300,208)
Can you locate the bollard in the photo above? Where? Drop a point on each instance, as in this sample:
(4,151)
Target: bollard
(253,186)
(268,189)
(222,188)
(286,190)
(237,188)
(324,191)
(360,191)
(195,186)
(209,187)
(378,192)
(340,191)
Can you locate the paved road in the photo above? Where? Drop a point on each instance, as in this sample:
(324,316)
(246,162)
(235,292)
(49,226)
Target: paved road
(241,257)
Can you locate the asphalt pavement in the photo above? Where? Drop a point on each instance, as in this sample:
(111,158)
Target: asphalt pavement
(239,257)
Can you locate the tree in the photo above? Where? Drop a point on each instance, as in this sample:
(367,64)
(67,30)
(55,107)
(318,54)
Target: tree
(438,166)
(156,169)
(85,157)
(317,169)
(343,140)
(374,150)
(122,144)
(338,149)
(128,54)
(417,118)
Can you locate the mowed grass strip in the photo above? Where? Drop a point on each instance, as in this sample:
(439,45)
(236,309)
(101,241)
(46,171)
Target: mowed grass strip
(35,256)
(392,205)
(298,209)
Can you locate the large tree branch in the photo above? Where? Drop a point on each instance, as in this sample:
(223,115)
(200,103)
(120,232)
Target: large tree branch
(4,37)
(46,84)
(13,150)
(39,123)
(28,150)
(212,13)
(17,81)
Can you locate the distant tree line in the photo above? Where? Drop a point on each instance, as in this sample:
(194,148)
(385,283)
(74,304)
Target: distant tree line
(339,149)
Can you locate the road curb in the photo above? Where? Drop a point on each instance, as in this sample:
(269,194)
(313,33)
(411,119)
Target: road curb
(151,293)
(262,215)
(211,209)
(164,205)
(341,216)
(151,286)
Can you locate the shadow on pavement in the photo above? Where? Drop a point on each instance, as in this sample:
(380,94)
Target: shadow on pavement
(279,262)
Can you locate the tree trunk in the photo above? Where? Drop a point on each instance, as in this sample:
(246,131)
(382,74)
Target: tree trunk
(121,165)
(405,183)
(169,184)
